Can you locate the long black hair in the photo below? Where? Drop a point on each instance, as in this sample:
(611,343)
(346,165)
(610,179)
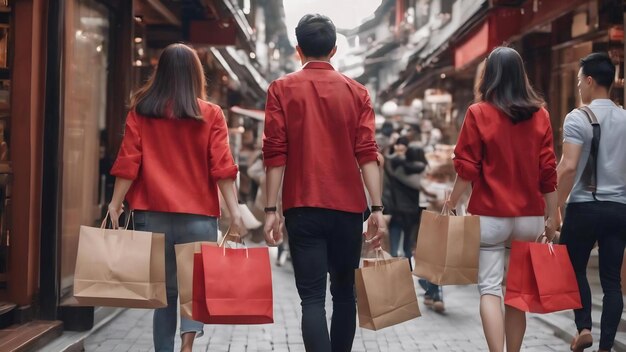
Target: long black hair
(504,83)
(174,88)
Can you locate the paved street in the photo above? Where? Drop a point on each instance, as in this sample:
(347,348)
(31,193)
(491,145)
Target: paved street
(459,329)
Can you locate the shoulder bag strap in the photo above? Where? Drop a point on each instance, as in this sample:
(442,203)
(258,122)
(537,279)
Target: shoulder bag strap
(590,173)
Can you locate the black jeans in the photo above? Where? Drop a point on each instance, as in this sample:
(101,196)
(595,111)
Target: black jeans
(584,224)
(322,242)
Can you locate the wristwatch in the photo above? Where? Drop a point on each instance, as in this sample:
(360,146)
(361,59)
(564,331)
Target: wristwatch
(375,208)
(271,209)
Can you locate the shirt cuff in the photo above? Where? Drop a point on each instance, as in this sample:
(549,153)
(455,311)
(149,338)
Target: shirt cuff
(573,140)
(275,161)
(467,170)
(124,168)
(367,158)
(229,172)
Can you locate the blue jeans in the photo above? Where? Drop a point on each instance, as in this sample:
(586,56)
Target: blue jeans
(322,242)
(178,228)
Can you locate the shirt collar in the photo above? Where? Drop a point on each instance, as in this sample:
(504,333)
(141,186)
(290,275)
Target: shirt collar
(320,65)
(602,102)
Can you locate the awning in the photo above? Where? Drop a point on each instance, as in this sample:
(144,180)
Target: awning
(537,13)
(438,40)
(252,83)
(220,58)
(258,115)
(500,25)
(243,61)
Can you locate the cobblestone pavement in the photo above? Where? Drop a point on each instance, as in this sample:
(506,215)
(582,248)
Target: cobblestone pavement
(459,329)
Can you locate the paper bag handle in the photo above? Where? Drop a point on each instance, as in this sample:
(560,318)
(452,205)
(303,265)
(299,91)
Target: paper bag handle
(130,215)
(223,243)
(544,239)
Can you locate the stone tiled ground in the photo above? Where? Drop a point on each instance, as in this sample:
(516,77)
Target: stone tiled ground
(459,329)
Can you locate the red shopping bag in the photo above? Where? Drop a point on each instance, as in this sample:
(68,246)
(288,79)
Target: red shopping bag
(541,278)
(232,286)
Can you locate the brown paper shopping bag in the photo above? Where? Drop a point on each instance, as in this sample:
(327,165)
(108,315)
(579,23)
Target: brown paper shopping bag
(120,268)
(447,249)
(385,293)
(184,274)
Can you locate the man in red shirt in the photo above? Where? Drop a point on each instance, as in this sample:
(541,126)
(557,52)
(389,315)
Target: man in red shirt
(319,133)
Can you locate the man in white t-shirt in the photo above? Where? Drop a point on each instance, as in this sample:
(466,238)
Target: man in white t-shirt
(595,214)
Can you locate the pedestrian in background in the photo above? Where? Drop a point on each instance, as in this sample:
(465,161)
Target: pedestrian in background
(595,212)
(173,158)
(505,153)
(319,132)
(404,191)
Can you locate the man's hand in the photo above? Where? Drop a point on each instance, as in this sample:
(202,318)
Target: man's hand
(376,229)
(115,211)
(273,229)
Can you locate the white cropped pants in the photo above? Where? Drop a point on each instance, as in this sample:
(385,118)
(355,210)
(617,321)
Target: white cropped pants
(495,234)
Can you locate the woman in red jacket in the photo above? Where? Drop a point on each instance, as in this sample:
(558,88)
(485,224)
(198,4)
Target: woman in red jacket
(174,157)
(505,153)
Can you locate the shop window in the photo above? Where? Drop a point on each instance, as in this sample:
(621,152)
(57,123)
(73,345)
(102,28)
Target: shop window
(84,120)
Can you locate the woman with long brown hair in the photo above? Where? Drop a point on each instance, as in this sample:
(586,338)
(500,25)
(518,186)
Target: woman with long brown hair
(505,153)
(174,157)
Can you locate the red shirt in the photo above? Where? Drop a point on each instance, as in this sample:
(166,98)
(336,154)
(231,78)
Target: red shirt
(175,163)
(510,165)
(320,125)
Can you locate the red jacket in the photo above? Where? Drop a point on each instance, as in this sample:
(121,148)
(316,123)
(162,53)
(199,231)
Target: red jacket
(320,125)
(510,165)
(175,164)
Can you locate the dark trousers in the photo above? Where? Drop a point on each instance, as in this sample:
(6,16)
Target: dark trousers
(584,224)
(407,224)
(322,242)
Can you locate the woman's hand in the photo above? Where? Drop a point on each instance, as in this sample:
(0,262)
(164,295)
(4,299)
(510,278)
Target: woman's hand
(551,227)
(115,211)
(449,205)
(237,229)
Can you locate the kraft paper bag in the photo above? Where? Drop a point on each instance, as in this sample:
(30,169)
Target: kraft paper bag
(120,268)
(447,249)
(385,293)
(184,273)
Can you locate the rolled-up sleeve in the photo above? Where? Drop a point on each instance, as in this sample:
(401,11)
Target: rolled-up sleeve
(275,131)
(129,157)
(366,149)
(547,161)
(220,158)
(468,153)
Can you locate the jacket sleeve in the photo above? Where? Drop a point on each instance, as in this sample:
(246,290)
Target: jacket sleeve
(129,157)
(468,153)
(275,132)
(366,149)
(221,162)
(547,161)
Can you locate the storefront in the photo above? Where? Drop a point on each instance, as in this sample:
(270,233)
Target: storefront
(591,27)
(94,76)
(551,37)
(61,113)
